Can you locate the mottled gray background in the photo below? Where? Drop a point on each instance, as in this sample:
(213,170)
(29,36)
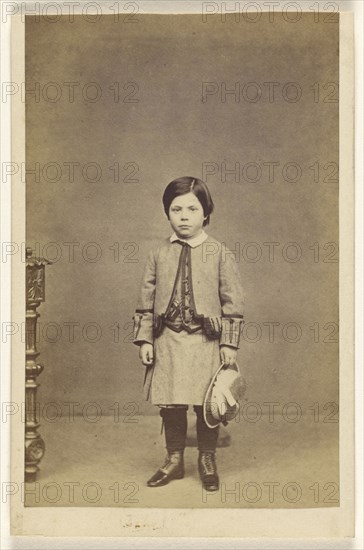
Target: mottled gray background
(170,132)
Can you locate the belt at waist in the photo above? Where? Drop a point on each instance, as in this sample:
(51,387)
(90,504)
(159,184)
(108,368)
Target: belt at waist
(178,325)
(210,325)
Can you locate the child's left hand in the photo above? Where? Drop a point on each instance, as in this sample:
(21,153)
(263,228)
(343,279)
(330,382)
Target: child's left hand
(228,355)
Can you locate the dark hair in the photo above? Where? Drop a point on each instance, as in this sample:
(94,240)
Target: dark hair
(187,184)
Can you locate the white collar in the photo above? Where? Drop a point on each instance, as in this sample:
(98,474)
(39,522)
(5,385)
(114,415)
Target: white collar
(195,241)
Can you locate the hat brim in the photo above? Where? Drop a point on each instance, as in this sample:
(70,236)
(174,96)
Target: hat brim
(209,407)
(212,415)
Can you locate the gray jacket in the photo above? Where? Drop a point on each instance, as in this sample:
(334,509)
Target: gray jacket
(216,289)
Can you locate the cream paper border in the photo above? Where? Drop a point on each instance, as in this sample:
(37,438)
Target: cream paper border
(154,522)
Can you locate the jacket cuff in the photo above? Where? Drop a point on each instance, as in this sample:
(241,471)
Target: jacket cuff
(143,328)
(230,332)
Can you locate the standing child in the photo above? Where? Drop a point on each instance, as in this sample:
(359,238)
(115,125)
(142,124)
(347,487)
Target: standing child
(187,322)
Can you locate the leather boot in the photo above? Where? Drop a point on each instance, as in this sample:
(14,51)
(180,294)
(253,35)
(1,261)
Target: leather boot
(173,468)
(208,471)
(175,427)
(207,442)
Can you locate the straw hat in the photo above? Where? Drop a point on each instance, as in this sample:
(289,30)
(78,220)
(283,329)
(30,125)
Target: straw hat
(226,389)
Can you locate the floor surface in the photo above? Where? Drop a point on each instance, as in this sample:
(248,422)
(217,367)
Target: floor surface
(276,464)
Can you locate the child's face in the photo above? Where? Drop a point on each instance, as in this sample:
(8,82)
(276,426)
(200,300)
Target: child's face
(186,216)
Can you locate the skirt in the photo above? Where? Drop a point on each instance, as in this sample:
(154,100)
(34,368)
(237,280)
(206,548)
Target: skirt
(184,364)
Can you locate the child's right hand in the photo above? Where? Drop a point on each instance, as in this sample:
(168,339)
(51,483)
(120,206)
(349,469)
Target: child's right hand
(146,354)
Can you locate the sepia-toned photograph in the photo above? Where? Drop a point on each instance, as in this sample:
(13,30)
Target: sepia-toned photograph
(182,262)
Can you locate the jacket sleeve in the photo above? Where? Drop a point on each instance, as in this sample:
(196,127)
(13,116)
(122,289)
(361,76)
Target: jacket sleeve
(143,318)
(231,299)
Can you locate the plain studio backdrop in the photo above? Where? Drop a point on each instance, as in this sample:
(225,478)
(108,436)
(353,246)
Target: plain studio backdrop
(97,170)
